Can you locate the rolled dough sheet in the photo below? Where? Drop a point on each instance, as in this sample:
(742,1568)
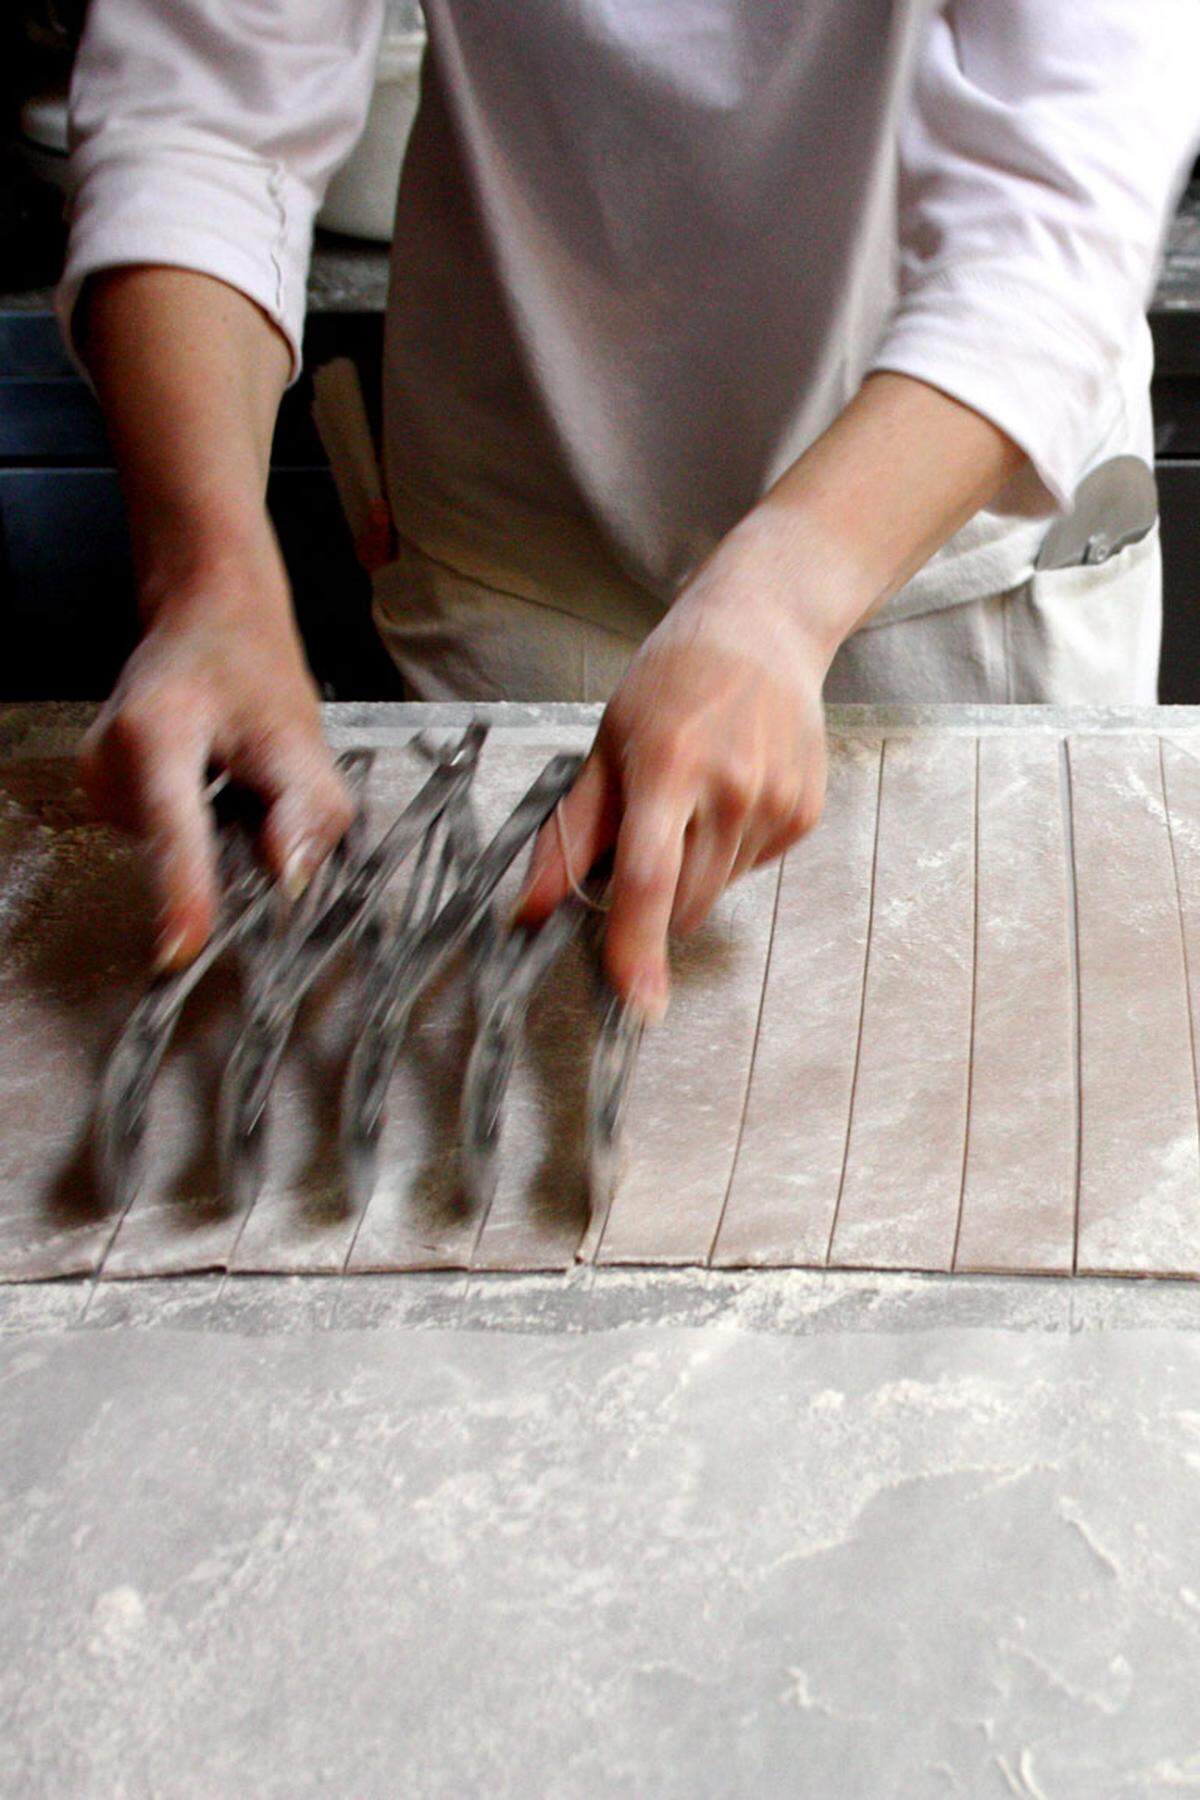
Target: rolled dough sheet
(539,1215)
(1181,773)
(1139,1178)
(1018,1209)
(746,1101)
(900,1198)
(417,1218)
(689,1093)
(74,931)
(303,1221)
(789,1164)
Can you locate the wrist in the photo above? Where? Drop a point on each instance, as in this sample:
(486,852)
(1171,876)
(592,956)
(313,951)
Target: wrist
(784,559)
(226,561)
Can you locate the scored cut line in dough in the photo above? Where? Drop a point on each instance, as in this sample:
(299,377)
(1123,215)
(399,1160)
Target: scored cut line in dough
(740,1111)
(1139,1176)
(788,1170)
(900,1198)
(1018,1207)
(689,1093)
(417,1218)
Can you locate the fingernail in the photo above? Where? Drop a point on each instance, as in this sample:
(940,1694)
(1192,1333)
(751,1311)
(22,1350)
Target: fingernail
(168,952)
(298,869)
(648,997)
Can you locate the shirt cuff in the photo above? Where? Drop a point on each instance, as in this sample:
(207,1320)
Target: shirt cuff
(189,205)
(1014,354)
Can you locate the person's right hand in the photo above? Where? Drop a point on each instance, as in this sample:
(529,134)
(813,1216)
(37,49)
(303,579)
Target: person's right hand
(217,683)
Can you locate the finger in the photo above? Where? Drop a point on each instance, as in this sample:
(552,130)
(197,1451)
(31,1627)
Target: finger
(177,824)
(111,758)
(309,808)
(762,846)
(645,878)
(143,767)
(586,826)
(792,823)
(710,852)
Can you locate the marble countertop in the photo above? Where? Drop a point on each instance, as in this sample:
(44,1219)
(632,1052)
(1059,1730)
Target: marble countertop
(54,727)
(351,276)
(1178,288)
(347,276)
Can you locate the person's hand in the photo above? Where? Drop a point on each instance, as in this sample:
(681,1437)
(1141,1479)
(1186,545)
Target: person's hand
(710,759)
(218,681)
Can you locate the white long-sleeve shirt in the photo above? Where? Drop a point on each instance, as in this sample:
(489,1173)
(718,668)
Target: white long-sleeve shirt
(647,249)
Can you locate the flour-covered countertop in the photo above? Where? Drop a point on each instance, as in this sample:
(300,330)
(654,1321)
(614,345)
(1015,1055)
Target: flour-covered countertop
(679,1561)
(672,1533)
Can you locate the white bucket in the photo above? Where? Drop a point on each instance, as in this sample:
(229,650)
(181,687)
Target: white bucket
(361,197)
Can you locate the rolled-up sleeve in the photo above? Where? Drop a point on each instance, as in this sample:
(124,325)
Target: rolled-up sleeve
(204,133)
(1045,143)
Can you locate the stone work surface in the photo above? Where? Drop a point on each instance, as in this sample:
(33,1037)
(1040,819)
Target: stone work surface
(658,1560)
(954,1030)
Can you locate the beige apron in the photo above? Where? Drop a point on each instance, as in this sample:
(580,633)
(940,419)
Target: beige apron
(1083,636)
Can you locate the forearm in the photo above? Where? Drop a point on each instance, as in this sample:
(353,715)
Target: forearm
(189,374)
(895,475)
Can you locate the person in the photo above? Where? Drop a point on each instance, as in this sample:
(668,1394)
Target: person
(739,355)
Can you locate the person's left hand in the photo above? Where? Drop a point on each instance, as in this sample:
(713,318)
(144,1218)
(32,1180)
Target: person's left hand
(710,759)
